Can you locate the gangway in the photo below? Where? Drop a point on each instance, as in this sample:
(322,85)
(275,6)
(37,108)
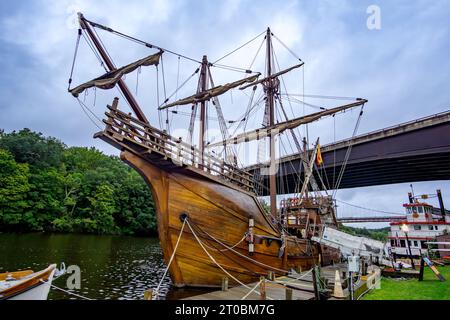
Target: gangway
(350,245)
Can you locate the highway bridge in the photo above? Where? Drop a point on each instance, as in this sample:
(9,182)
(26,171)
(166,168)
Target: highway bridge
(414,151)
(371,219)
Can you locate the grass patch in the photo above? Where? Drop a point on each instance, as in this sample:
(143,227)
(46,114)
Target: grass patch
(428,289)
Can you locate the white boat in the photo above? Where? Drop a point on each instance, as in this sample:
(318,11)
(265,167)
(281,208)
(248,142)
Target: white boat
(26,284)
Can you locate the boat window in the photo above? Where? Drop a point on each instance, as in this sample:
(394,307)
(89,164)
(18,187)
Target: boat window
(423,245)
(430,227)
(402,243)
(435,227)
(408,210)
(420,209)
(392,243)
(416,227)
(414,209)
(415,243)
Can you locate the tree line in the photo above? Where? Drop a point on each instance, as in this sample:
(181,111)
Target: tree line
(47,186)
(380,234)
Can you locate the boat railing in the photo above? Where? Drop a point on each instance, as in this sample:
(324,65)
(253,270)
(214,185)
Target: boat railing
(296,202)
(125,128)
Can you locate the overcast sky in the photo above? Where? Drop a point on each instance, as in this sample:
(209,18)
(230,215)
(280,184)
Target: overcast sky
(402,68)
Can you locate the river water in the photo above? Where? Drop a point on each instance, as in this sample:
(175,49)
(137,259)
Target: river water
(112,267)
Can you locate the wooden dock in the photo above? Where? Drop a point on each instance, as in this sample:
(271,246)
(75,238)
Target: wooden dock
(295,286)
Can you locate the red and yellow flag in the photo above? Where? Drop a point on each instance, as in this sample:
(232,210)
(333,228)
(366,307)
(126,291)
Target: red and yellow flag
(319,159)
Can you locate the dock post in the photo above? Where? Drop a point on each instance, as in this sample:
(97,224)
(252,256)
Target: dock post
(363,267)
(148,294)
(422,267)
(288,294)
(338,292)
(262,288)
(350,285)
(225,284)
(316,288)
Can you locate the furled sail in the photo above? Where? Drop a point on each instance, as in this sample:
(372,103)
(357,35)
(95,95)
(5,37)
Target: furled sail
(213,92)
(273,76)
(282,126)
(110,79)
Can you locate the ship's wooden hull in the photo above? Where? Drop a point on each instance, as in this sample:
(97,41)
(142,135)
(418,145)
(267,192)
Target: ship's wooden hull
(222,212)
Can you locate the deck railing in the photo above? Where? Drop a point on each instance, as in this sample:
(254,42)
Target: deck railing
(124,128)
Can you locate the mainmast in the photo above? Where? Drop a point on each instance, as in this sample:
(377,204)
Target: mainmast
(84,24)
(271,106)
(203,87)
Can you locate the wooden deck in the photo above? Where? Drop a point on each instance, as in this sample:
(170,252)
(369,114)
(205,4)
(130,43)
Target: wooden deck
(301,285)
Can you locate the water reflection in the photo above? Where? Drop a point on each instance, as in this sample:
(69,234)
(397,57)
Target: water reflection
(112,267)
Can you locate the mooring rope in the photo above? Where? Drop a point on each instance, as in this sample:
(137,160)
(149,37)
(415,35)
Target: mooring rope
(226,249)
(215,262)
(299,278)
(253,289)
(156,291)
(65,291)
(240,254)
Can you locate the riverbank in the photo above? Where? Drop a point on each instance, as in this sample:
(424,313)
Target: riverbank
(428,289)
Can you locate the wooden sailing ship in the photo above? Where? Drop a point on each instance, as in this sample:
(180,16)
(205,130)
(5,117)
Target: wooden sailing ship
(211,222)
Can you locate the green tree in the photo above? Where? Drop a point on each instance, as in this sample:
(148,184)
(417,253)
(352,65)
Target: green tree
(13,190)
(102,209)
(46,198)
(47,186)
(32,148)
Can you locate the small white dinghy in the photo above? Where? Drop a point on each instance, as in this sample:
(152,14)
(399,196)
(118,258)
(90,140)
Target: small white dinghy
(26,284)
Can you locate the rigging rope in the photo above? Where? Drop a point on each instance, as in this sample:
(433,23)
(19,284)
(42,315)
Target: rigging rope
(240,47)
(321,96)
(295,100)
(83,106)
(136,40)
(231,68)
(74,57)
(165,92)
(181,86)
(104,48)
(157,98)
(347,154)
(257,53)
(287,48)
(88,41)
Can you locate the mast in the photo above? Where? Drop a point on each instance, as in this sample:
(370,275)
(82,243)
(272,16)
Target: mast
(203,87)
(271,104)
(305,150)
(84,24)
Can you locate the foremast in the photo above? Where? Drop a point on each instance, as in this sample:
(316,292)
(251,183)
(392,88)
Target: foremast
(109,65)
